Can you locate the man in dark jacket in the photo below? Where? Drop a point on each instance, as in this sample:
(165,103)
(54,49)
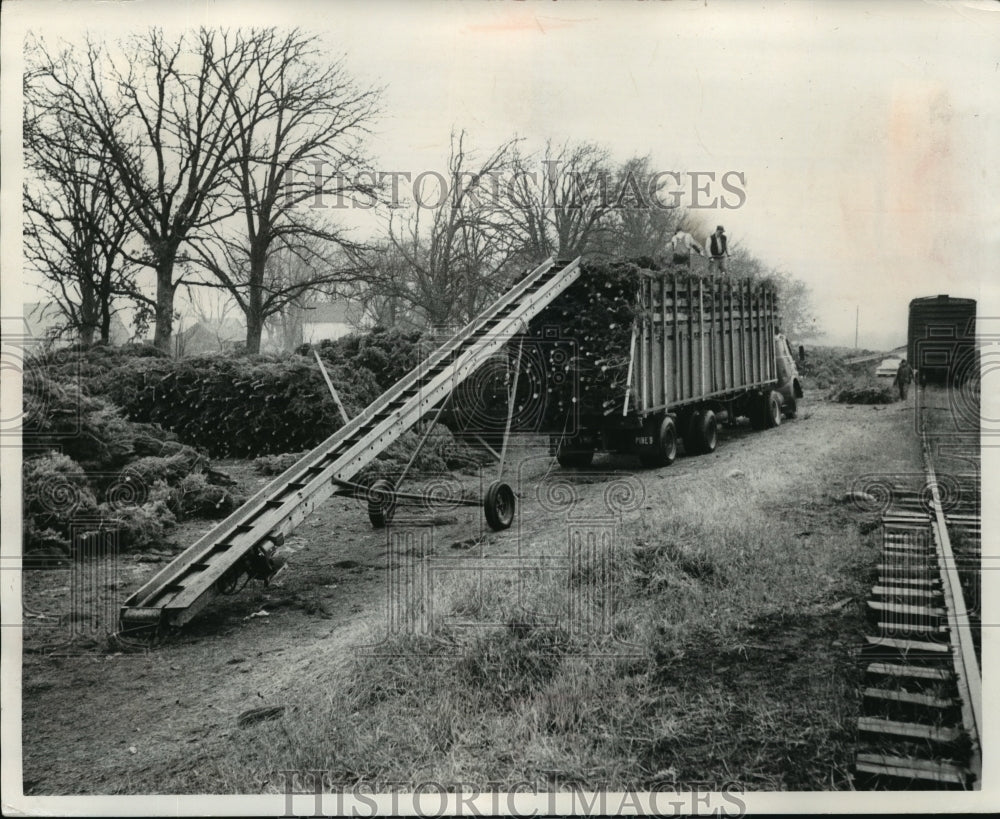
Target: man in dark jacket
(718,250)
(904,376)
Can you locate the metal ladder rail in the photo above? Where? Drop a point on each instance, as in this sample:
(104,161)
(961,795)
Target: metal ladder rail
(313,479)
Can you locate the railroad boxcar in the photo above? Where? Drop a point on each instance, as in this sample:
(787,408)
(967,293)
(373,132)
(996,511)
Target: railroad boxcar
(941,339)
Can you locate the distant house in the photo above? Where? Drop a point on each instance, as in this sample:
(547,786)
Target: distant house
(210,337)
(46,322)
(325,320)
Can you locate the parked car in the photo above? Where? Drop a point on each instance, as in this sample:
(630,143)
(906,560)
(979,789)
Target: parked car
(888,367)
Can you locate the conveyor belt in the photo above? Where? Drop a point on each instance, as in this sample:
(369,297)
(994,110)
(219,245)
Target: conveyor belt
(240,544)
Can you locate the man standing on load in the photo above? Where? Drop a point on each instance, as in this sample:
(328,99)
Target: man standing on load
(718,250)
(681,244)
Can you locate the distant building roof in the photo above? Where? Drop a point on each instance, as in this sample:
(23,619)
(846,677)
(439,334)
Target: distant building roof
(46,321)
(210,337)
(225,330)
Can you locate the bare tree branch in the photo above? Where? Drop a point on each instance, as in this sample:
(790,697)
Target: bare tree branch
(75,230)
(299,126)
(155,114)
(455,261)
(560,199)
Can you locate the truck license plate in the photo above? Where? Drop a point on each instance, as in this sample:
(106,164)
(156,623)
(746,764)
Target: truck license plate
(644,440)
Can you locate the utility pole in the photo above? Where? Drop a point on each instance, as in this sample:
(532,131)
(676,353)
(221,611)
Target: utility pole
(857,314)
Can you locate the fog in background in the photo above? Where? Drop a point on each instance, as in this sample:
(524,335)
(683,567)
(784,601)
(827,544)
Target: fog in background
(868,133)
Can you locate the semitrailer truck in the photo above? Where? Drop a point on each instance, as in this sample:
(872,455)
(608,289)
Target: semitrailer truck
(639,359)
(702,351)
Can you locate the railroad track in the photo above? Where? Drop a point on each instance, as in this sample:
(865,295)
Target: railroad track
(922,690)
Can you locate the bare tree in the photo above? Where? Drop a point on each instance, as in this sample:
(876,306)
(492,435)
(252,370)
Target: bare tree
(74,236)
(287,324)
(75,230)
(744,264)
(292,278)
(213,310)
(560,200)
(158,115)
(299,123)
(641,218)
(458,251)
(379,297)
(290,275)
(798,319)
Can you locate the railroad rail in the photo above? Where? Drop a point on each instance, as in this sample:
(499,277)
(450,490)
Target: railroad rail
(922,699)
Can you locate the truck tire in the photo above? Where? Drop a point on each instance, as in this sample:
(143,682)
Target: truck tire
(499,505)
(772,411)
(764,411)
(789,407)
(703,433)
(664,448)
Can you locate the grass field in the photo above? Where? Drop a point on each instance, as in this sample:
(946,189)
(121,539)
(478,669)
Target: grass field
(732,606)
(713,643)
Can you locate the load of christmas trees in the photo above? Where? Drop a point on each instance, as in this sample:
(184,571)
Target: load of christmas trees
(572,363)
(90,476)
(585,333)
(117,440)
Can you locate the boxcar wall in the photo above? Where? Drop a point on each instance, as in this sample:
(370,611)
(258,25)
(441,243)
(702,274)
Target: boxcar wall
(941,338)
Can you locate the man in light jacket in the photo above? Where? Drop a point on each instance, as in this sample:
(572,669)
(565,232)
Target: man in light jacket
(681,244)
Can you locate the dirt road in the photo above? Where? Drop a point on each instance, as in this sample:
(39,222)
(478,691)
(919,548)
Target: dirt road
(165,721)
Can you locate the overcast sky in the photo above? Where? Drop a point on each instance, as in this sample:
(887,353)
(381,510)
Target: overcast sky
(868,133)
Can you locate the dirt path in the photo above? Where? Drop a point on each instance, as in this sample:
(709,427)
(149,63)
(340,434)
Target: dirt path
(148,723)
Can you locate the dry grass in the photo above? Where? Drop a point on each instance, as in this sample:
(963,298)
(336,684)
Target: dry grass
(734,602)
(729,659)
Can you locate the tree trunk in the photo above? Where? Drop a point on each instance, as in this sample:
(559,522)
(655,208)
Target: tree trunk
(438,313)
(165,287)
(105,326)
(104,299)
(104,316)
(255,326)
(291,326)
(255,302)
(88,313)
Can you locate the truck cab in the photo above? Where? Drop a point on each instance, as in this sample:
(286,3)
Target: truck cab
(789,384)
